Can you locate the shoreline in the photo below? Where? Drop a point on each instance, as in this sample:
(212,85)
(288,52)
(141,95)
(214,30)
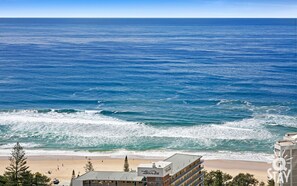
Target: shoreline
(61,166)
(149,154)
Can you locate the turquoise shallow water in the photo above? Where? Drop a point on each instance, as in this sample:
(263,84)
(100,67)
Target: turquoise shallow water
(199,85)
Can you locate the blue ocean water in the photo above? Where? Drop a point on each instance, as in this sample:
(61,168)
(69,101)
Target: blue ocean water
(105,85)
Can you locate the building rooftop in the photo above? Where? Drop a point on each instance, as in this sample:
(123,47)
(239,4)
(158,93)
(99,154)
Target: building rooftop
(291,133)
(176,163)
(291,136)
(180,161)
(290,139)
(158,164)
(286,143)
(110,175)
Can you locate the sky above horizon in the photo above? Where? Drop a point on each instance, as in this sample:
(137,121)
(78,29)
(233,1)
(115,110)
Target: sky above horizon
(149,8)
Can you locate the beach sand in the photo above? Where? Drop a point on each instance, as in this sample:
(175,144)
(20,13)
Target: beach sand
(61,166)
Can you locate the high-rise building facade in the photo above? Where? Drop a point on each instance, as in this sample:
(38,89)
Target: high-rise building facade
(284,170)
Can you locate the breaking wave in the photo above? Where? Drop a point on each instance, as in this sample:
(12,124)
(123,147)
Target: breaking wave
(86,124)
(90,130)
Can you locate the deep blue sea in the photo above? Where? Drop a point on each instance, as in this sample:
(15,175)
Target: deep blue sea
(144,86)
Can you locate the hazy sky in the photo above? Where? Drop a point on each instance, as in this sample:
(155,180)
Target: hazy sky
(148,8)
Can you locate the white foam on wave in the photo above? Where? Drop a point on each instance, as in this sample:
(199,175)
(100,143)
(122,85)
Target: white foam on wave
(24,145)
(91,127)
(261,120)
(151,154)
(227,102)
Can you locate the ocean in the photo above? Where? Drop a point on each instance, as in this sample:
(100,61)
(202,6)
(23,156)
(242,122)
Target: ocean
(223,88)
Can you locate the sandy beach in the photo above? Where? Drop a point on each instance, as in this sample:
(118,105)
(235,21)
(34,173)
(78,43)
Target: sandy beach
(61,166)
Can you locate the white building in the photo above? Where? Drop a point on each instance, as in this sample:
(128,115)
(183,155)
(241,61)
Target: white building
(179,169)
(286,160)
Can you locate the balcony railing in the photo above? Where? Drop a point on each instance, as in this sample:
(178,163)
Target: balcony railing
(184,178)
(195,179)
(195,166)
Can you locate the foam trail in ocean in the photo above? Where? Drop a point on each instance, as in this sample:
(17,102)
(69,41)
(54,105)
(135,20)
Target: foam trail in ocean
(24,145)
(81,131)
(92,124)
